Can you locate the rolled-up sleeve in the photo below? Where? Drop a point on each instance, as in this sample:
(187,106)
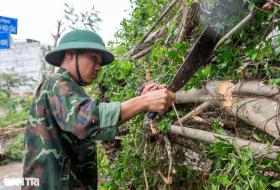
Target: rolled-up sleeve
(109,114)
(76,113)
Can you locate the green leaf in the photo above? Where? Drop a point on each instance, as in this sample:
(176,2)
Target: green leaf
(276,184)
(172,54)
(224,181)
(226,57)
(217,126)
(253,53)
(257,137)
(251,7)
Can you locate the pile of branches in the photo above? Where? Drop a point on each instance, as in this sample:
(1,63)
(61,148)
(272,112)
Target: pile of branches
(235,106)
(9,132)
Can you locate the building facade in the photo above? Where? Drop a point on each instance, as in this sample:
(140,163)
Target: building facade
(24,58)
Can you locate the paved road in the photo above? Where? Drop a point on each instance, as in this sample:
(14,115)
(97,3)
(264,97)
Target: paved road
(10,171)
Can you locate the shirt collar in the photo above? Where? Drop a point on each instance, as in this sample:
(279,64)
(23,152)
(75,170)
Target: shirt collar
(67,73)
(62,70)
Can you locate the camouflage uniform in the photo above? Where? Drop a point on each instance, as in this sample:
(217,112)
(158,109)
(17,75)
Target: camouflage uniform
(63,125)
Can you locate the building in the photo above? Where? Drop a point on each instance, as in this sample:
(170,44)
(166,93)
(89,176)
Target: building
(24,58)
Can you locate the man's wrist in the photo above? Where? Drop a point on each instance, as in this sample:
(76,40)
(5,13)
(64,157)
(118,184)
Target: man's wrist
(143,101)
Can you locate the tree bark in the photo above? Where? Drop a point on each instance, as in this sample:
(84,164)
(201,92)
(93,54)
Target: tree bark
(189,21)
(252,102)
(258,149)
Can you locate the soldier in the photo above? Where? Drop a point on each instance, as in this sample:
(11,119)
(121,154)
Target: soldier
(64,123)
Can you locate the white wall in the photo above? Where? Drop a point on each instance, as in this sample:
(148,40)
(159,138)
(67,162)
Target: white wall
(24,59)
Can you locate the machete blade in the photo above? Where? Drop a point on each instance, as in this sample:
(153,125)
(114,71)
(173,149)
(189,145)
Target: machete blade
(200,55)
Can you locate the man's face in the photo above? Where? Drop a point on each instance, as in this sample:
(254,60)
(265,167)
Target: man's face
(89,65)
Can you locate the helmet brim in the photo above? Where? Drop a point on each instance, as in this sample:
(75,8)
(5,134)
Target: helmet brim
(55,56)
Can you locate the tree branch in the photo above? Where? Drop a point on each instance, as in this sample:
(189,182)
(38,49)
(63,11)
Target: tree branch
(258,149)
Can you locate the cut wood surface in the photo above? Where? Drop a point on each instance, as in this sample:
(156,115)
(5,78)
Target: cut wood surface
(253,102)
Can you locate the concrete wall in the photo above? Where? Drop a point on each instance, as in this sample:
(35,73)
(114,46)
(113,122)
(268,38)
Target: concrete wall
(22,58)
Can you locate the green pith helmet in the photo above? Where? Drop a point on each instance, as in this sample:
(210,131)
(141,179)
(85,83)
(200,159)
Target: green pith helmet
(79,39)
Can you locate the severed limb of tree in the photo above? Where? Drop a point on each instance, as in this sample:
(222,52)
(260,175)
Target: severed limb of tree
(252,102)
(12,130)
(255,87)
(258,149)
(141,53)
(196,111)
(8,132)
(192,96)
(169,154)
(168,8)
(245,88)
(145,46)
(259,111)
(145,177)
(239,26)
(189,21)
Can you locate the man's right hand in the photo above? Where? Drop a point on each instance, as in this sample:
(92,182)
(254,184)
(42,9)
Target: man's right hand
(159,100)
(152,100)
(152,87)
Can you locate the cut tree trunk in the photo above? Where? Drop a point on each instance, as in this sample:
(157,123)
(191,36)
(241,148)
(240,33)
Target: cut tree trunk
(254,102)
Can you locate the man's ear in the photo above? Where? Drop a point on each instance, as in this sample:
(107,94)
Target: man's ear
(69,55)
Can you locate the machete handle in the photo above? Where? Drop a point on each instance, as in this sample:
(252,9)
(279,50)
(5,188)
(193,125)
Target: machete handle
(151,115)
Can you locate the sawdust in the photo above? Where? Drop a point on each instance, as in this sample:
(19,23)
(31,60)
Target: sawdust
(225,89)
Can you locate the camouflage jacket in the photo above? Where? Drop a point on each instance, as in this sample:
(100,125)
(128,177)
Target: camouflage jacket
(63,125)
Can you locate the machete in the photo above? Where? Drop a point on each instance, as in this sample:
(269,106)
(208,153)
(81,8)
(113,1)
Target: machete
(199,56)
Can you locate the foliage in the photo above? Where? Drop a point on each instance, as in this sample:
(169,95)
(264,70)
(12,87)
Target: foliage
(9,81)
(18,108)
(4,99)
(232,168)
(12,103)
(14,117)
(127,169)
(235,168)
(14,149)
(143,15)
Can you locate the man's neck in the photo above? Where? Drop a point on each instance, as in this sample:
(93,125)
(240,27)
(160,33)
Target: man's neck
(72,72)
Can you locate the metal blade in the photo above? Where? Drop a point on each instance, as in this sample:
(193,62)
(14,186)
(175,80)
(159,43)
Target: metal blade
(199,56)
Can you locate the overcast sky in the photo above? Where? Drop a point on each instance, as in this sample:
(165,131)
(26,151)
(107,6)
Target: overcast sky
(37,19)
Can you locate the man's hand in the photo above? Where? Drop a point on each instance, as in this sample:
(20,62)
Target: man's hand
(152,87)
(159,100)
(154,98)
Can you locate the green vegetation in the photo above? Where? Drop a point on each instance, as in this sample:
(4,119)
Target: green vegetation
(13,150)
(16,111)
(142,157)
(12,118)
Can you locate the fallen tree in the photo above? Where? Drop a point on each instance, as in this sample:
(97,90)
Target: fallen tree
(12,130)
(219,120)
(259,149)
(253,102)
